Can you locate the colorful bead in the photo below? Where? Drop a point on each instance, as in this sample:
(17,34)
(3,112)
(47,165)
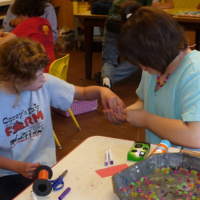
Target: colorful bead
(188,188)
(170,180)
(151,182)
(150,186)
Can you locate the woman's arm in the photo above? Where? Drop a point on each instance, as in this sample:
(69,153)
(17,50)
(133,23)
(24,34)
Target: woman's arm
(50,15)
(139,104)
(174,130)
(168,4)
(7,19)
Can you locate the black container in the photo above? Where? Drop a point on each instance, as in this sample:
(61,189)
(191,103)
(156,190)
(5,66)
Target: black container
(148,166)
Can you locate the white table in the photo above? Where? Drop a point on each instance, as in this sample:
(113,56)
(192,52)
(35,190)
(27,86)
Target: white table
(82,163)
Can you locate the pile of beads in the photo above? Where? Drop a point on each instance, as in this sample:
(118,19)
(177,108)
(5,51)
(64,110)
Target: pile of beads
(171,183)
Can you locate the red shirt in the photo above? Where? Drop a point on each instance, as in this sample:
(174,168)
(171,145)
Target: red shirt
(38,29)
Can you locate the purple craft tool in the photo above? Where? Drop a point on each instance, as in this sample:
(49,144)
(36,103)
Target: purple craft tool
(64,193)
(110,156)
(106,158)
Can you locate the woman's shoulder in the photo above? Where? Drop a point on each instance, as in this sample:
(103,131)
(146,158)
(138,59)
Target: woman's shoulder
(193,59)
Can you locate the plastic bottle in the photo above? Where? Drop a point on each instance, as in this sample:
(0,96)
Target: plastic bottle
(163,147)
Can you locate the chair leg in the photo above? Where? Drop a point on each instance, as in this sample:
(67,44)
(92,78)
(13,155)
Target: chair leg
(57,141)
(72,115)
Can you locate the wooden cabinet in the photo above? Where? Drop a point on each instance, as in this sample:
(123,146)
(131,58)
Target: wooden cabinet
(64,12)
(63,8)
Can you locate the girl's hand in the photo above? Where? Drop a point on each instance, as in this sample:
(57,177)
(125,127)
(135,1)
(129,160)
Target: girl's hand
(27,169)
(111,101)
(115,117)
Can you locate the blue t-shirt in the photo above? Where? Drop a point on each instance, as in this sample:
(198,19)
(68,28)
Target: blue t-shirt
(26,132)
(179,98)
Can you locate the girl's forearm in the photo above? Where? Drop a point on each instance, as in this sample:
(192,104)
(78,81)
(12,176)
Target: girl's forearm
(8,164)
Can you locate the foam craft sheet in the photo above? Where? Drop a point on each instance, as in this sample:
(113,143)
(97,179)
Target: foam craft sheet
(109,171)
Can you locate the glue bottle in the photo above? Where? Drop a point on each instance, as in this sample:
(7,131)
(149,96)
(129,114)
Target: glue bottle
(163,147)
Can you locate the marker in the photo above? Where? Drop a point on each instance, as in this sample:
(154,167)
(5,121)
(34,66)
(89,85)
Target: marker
(106,158)
(110,156)
(64,193)
(33,196)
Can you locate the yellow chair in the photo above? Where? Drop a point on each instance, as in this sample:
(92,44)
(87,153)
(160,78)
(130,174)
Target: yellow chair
(59,69)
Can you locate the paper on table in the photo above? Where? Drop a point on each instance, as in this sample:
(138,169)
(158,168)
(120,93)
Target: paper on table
(109,171)
(187,13)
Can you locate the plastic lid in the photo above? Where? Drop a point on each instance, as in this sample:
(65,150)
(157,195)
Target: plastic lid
(166,142)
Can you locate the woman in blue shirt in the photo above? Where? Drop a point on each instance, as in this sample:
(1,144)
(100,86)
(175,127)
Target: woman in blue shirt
(169,92)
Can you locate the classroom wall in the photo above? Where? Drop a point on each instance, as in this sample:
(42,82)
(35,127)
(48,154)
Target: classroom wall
(65,8)
(65,17)
(186,3)
(65,11)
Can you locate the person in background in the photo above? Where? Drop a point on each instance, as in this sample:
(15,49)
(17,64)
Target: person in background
(26,94)
(166,5)
(11,20)
(112,71)
(198,6)
(32,25)
(168,104)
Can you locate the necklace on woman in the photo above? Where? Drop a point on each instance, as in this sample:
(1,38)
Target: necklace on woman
(168,75)
(166,79)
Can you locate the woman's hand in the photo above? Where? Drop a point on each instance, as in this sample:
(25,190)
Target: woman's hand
(115,117)
(157,5)
(27,169)
(15,22)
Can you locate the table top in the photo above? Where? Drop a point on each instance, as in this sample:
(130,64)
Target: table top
(82,163)
(188,19)
(87,14)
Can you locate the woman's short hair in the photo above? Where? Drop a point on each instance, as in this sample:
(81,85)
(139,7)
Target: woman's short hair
(150,37)
(31,8)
